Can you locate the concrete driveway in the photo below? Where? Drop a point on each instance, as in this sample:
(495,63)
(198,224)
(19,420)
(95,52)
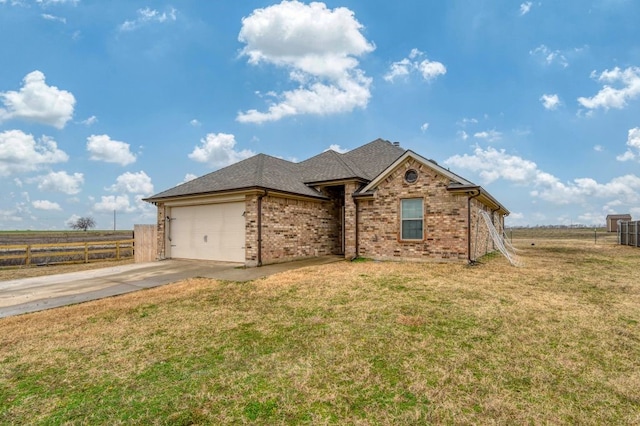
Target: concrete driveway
(52,291)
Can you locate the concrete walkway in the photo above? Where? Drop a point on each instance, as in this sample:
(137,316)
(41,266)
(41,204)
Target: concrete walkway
(52,291)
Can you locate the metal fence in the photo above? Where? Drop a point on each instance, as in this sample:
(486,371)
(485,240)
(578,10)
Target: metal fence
(629,233)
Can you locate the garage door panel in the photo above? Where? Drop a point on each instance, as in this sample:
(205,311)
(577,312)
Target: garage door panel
(210,232)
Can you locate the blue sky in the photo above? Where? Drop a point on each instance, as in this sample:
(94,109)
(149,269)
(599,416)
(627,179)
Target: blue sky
(105,103)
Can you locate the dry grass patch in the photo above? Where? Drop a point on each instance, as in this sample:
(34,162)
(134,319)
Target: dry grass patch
(556,341)
(15,273)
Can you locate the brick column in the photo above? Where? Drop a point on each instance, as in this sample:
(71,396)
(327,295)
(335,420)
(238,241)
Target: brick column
(349,221)
(160,235)
(251,230)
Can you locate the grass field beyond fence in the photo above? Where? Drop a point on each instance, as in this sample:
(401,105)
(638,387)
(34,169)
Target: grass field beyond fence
(556,341)
(29,248)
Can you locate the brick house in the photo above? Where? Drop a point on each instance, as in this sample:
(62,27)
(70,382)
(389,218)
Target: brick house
(377,201)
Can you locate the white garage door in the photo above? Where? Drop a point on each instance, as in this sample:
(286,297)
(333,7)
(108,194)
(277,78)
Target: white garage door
(210,232)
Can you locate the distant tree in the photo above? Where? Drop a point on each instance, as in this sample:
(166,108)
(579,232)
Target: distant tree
(83,223)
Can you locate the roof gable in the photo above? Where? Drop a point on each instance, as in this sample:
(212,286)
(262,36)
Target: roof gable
(454,178)
(457,184)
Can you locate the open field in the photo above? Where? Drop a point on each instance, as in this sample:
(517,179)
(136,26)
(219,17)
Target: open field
(556,341)
(46,237)
(585,234)
(29,249)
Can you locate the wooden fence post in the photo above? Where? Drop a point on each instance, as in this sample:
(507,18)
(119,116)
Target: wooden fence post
(27,261)
(86,253)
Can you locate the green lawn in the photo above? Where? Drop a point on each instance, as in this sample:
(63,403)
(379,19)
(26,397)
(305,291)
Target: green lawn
(556,341)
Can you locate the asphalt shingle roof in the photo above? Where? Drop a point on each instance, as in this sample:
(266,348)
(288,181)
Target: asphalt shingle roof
(264,171)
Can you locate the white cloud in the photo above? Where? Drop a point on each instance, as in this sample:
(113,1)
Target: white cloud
(525,8)
(189,177)
(45,205)
(424,127)
(90,121)
(549,56)
(431,69)
(50,17)
(148,16)
(610,97)
(428,69)
(463,135)
(401,68)
(488,135)
(55,2)
(550,102)
(337,148)
(598,148)
(133,183)
(465,121)
(109,203)
(319,46)
(195,123)
(60,182)
(20,152)
(491,164)
(38,102)
(102,148)
(217,150)
(592,218)
(72,219)
(633,142)
(9,216)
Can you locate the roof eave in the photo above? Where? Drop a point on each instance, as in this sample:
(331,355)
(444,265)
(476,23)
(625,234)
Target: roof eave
(235,191)
(334,182)
(482,194)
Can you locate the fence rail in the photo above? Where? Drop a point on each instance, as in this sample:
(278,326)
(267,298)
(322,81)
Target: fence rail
(58,253)
(629,233)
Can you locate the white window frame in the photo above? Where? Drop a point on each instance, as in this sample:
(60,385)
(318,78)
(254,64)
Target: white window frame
(414,219)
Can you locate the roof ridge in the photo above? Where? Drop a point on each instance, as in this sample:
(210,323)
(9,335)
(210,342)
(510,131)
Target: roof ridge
(350,164)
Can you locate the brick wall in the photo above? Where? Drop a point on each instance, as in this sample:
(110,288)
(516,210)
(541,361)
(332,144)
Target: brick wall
(445,214)
(161,249)
(481,242)
(349,220)
(251,230)
(292,229)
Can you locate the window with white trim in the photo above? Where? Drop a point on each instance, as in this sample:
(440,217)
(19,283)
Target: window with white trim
(412,219)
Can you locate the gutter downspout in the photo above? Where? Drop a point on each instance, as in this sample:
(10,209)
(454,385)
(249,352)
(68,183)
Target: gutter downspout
(260,197)
(355,203)
(469,224)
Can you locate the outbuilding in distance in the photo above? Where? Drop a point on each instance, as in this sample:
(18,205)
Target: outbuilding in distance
(612,221)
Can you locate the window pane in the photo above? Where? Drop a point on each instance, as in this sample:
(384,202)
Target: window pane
(412,209)
(412,229)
